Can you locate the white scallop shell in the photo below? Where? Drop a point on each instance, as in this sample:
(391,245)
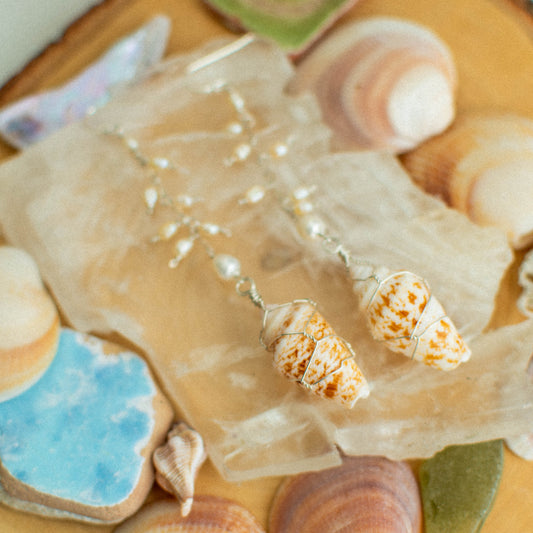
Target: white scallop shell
(307,350)
(482,166)
(382,84)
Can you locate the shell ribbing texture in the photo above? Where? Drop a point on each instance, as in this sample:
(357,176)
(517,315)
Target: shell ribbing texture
(209,514)
(307,350)
(382,84)
(364,494)
(482,166)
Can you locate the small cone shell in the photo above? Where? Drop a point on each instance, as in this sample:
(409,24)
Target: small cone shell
(403,314)
(482,166)
(29,323)
(307,350)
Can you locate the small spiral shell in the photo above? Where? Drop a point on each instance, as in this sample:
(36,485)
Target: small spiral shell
(382,84)
(307,350)
(364,494)
(177,463)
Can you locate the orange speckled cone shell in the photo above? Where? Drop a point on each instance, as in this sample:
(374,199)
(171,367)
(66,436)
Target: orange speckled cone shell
(404,315)
(307,350)
(209,514)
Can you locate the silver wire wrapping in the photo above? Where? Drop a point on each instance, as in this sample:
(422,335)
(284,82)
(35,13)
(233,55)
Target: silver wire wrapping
(315,357)
(307,350)
(400,311)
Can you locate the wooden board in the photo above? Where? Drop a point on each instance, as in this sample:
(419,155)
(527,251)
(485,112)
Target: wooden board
(493,44)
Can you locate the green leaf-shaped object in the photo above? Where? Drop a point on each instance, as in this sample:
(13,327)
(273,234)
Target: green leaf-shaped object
(293,24)
(458,486)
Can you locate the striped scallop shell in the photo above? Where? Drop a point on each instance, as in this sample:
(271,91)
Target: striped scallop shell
(382,84)
(29,323)
(364,494)
(307,350)
(482,166)
(209,514)
(404,315)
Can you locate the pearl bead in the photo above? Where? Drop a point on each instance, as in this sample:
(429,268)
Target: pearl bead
(253,195)
(242,152)
(160,162)
(184,246)
(167,230)
(227,266)
(279,150)
(235,128)
(311,226)
(150,197)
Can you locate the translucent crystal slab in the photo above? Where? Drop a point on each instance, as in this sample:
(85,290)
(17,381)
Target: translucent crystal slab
(80,213)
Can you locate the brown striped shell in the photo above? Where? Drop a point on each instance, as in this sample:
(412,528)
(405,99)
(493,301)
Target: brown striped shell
(307,350)
(382,84)
(365,494)
(404,315)
(482,166)
(209,514)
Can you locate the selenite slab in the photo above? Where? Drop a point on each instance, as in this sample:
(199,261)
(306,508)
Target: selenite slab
(75,202)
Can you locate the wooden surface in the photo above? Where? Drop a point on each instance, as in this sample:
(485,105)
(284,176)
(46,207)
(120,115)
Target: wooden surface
(493,45)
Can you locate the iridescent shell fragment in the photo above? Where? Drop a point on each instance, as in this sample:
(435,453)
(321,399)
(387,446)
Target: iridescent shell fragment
(307,350)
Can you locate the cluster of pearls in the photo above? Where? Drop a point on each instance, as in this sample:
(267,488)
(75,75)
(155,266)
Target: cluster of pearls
(155,195)
(299,204)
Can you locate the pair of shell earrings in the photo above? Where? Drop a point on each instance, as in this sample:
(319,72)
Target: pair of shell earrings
(401,312)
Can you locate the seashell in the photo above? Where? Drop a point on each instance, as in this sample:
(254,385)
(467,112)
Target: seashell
(177,464)
(32,119)
(482,166)
(525,280)
(522,445)
(29,323)
(307,350)
(209,514)
(404,315)
(382,84)
(363,494)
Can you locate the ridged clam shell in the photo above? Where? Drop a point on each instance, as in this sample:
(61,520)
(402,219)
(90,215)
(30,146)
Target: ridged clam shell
(29,323)
(382,84)
(404,315)
(482,166)
(525,279)
(177,463)
(364,494)
(209,514)
(307,350)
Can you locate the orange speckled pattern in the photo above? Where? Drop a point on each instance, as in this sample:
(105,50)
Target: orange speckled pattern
(404,315)
(307,350)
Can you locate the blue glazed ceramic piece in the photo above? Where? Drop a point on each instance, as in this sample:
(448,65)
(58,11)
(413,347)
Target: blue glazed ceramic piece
(77,440)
